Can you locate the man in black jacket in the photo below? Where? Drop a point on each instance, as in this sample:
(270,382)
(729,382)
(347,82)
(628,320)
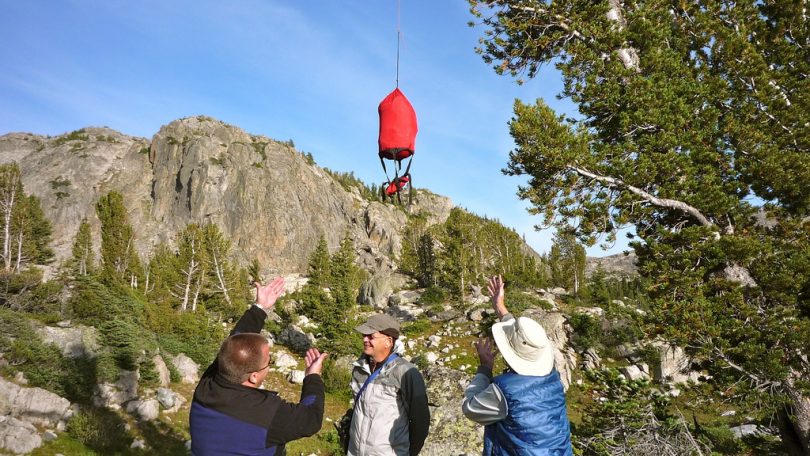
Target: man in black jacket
(230,414)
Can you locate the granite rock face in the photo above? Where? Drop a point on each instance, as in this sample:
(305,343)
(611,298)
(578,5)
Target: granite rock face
(266,197)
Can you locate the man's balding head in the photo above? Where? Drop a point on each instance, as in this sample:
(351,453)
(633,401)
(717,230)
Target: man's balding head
(241,355)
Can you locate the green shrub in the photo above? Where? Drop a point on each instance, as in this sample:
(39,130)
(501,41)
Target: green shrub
(336,380)
(149,376)
(432,296)
(192,333)
(174,374)
(43,364)
(128,340)
(420,326)
(100,430)
(587,330)
(723,439)
(520,301)
(106,369)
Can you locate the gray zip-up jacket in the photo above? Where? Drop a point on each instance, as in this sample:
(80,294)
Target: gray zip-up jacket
(391,417)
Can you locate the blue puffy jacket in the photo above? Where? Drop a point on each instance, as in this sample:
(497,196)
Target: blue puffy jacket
(537,423)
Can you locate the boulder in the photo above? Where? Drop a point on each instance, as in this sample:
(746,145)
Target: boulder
(73,342)
(746,430)
(34,405)
(148,410)
(285,362)
(404,297)
(170,400)
(164,376)
(476,314)
(633,373)
(295,338)
(405,312)
(18,437)
(296,376)
(451,433)
(113,395)
(376,290)
(189,370)
(674,364)
(144,409)
(591,359)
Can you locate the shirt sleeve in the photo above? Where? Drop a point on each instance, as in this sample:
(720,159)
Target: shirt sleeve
(293,421)
(414,395)
(484,402)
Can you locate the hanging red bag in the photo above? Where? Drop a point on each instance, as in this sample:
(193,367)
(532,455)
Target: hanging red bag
(397,127)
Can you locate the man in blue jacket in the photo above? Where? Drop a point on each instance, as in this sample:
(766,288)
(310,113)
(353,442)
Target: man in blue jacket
(231,414)
(524,408)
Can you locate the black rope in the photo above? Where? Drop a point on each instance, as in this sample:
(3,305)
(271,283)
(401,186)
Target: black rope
(398,39)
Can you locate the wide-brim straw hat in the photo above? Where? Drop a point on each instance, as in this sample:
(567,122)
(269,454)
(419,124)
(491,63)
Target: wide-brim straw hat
(525,346)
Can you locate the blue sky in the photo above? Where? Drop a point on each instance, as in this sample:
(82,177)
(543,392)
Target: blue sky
(312,71)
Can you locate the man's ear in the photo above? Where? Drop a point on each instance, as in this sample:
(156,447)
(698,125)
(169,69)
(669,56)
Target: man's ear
(253,378)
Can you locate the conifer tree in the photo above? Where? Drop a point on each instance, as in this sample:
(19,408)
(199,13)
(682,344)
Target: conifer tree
(319,267)
(426,271)
(567,261)
(119,261)
(345,275)
(692,127)
(83,261)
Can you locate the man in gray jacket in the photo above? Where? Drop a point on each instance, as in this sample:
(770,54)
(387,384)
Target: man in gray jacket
(391,415)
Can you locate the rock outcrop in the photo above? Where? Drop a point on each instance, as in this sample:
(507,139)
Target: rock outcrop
(266,197)
(451,433)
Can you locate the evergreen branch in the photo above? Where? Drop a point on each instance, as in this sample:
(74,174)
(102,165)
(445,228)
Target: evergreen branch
(661,202)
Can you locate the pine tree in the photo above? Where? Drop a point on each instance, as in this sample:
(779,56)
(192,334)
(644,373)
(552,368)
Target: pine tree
(83,261)
(119,261)
(567,261)
(692,127)
(318,271)
(345,275)
(426,271)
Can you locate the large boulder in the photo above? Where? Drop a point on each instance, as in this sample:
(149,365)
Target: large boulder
(674,364)
(18,437)
(296,338)
(34,405)
(285,362)
(164,376)
(404,297)
(451,433)
(189,370)
(73,342)
(374,292)
(144,409)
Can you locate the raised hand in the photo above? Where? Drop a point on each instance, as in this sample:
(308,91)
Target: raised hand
(486,354)
(497,295)
(314,361)
(266,295)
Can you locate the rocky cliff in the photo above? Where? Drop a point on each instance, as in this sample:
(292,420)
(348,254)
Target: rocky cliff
(266,197)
